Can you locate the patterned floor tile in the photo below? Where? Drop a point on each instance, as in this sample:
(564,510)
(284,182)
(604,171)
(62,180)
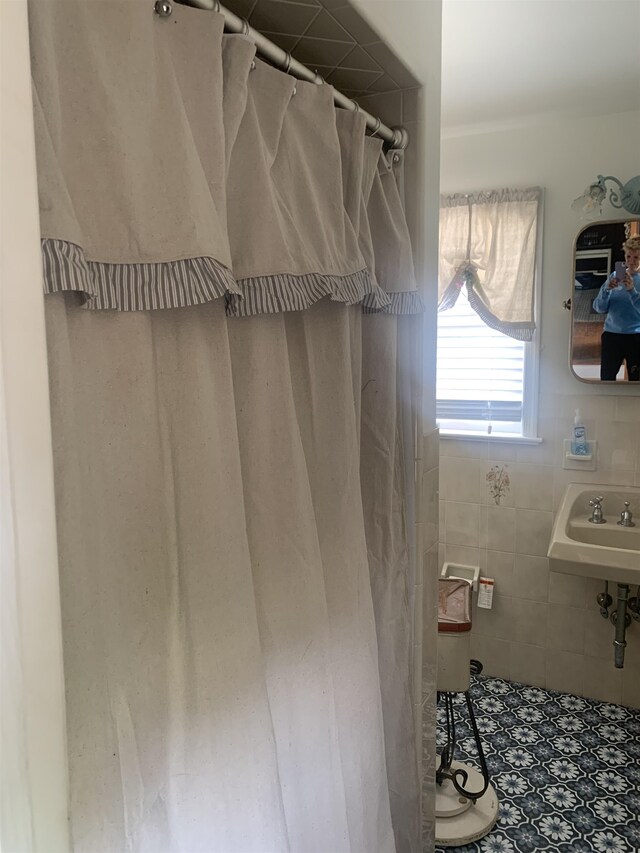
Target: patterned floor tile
(566,770)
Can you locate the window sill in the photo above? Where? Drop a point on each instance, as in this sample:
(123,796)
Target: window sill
(450,434)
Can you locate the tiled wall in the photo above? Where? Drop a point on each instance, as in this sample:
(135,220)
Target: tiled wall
(544,628)
(429,516)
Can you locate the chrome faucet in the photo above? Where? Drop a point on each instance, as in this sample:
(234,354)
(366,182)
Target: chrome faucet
(626,518)
(596,514)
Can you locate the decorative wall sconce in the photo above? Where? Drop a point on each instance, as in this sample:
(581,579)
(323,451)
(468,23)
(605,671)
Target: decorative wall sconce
(622,196)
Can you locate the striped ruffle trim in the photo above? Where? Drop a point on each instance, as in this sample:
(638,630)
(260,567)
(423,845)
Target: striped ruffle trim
(467,276)
(274,294)
(133,287)
(405,302)
(519,331)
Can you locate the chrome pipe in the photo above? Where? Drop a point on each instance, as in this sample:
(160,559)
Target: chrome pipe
(620,643)
(395,137)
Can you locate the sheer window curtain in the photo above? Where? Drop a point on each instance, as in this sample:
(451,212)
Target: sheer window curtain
(230,481)
(487,244)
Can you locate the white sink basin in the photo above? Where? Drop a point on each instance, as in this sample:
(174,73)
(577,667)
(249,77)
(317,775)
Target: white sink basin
(606,551)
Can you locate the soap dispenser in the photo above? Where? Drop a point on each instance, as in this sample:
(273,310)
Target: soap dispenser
(579,446)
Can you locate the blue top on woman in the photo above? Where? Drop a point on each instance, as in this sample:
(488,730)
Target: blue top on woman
(621,306)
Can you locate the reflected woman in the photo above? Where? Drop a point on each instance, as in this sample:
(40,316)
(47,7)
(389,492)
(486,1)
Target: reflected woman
(619,299)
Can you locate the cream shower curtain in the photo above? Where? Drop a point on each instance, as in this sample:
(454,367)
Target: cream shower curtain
(230,470)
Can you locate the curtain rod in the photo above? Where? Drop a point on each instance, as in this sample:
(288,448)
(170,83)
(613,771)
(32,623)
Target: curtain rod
(396,137)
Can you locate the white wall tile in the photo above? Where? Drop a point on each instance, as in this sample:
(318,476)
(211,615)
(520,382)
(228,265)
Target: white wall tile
(617,445)
(529,621)
(533,531)
(460,479)
(565,628)
(627,409)
(464,447)
(601,680)
(493,654)
(499,566)
(630,692)
(567,589)
(527,664)
(598,635)
(431,450)
(497,531)
(564,672)
(531,577)
(533,486)
(430,507)
(497,622)
(461,523)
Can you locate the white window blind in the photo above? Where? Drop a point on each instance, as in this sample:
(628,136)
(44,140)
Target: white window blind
(480,374)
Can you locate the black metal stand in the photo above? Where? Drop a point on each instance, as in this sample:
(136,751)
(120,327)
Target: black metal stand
(459,776)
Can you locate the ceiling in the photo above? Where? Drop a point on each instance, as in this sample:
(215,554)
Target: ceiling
(330,37)
(507,61)
(504,62)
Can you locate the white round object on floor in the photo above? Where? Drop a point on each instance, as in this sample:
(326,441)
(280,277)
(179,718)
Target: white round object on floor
(458,820)
(449,802)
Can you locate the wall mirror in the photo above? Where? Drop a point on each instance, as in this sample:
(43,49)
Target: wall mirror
(598,248)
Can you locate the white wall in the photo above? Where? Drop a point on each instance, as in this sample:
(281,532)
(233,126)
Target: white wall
(34,790)
(413,30)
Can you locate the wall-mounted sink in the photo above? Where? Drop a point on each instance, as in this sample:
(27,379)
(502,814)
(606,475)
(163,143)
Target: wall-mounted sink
(607,551)
(607,535)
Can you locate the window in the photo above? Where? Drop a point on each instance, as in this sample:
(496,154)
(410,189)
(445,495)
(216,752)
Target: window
(480,379)
(486,378)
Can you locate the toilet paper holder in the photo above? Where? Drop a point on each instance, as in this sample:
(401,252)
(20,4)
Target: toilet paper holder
(461,572)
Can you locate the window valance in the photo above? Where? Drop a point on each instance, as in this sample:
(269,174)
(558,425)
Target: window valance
(488,245)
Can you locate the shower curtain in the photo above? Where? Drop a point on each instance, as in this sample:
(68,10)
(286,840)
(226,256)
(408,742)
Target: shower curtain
(226,265)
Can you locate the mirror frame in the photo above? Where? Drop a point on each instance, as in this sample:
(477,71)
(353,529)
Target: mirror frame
(591,224)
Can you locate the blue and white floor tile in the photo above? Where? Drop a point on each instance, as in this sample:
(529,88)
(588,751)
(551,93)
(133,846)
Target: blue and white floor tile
(566,770)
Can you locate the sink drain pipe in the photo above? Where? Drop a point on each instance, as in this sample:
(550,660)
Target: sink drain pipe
(621,619)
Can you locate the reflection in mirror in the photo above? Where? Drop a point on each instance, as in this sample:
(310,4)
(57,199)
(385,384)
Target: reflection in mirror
(605,305)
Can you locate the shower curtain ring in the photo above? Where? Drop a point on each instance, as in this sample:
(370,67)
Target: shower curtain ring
(377,127)
(356,106)
(245,27)
(287,62)
(216,5)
